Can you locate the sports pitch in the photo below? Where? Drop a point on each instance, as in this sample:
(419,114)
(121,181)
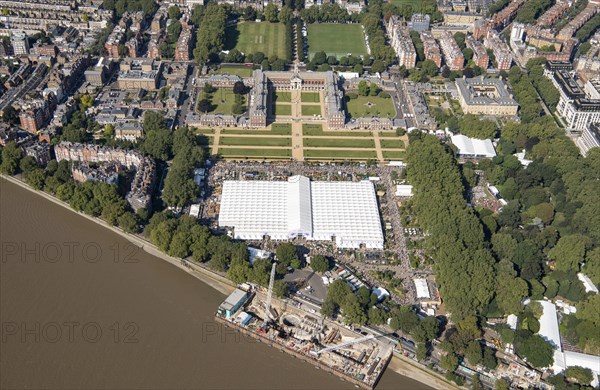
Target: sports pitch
(336,39)
(253,37)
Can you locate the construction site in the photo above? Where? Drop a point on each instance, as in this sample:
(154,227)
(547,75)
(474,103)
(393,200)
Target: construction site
(357,358)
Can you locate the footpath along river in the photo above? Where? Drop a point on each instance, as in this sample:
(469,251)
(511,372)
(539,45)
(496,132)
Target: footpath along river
(82,308)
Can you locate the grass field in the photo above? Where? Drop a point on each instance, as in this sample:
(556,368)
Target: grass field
(222,101)
(338,143)
(310,97)
(281,128)
(371,106)
(392,155)
(267,153)
(340,154)
(311,110)
(282,109)
(388,134)
(336,39)
(391,144)
(204,131)
(248,141)
(317,130)
(252,37)
(242,71)
(282,97)
(423,6)
(274,131)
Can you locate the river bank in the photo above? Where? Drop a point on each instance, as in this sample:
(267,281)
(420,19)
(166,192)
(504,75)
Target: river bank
(218,282)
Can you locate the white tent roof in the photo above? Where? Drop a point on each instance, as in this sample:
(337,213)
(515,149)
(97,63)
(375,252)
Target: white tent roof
(319,211)
(404,190)
(549,323)
(587,283)
(422,288)
(473,147)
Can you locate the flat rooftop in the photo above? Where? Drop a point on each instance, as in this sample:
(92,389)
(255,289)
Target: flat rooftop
(485,91)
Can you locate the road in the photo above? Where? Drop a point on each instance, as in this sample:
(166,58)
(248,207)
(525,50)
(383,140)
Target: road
(189,97)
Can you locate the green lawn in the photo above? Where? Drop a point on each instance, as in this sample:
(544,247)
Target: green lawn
(423,6)
(338,143)
(340,154)
(282,97)
(336,39)
(310,97)
(274,131)
(252,37)
(222,100)
(371,106)
(282,109)
(311,110)
(259,141)
(268,153)
(387,133)
(281,128)
(242,71)
(393,155)
(391,143)
(317,130)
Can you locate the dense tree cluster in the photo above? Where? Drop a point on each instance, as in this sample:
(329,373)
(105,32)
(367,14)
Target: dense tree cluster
(93,198)
(585,32)
(211,33)
(168,45)
(497,6)
(465,267)
(180,188)
(356,308)
(327,13)
(525,94)
(79,126)
(372,21)
(11,158)
(158,140)
(319,263)
(471,126)
(405,319)
(300,41)
(149,7)
(531,10)
(407,9)
(542,84)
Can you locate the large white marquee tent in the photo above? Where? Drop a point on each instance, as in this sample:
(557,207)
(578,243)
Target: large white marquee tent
(346,211)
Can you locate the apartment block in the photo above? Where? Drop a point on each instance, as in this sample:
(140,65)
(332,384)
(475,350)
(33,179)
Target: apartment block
(578,21)
(500,49)
(19,42)
(40,152)
(139,73)
(452,55)
(132,47)
(506,15)
(184,45)
(419,22)
(577,109)
(431,48)
(33,115)
(480,55)
(553,13)
(402,43)
(113,41)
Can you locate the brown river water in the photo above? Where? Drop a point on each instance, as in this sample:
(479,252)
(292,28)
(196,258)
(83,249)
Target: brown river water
(81,308)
